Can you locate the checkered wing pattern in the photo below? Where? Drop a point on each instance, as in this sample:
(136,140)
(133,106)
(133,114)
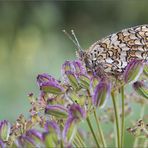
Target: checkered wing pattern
(114,52)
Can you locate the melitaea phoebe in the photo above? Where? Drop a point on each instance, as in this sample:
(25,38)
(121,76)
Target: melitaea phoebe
(112,54)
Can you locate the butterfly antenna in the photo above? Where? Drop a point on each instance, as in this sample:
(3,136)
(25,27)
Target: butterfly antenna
(75,41)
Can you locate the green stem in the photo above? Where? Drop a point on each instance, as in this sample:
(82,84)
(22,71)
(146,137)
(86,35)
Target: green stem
(81,140)
(62,144)
(117,118)
(100,130)
(75,142)
(92,131)
(123,115)
(78,141)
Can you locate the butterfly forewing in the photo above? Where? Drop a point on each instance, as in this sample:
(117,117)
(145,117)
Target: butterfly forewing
(115,51)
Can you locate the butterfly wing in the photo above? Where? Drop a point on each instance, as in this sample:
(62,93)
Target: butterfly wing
(114,52)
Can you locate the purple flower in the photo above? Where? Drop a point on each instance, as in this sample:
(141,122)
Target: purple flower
(53,127)
(133,70)
(84,81)
(25,141)
(72,70)
(4,130)
(52,134)
(34,134)
(43,78)
(49,84)
(72,79)
(76,112)
(57,111)
(67,67)
(31,138)
(141,88)
(69,125)
(101,93)
(76,67)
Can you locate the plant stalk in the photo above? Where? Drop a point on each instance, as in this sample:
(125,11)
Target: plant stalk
(62,144)
(92,131)
(78,142)
(81,140)
(116,117)
(100,130)
(75,142)
(123,115)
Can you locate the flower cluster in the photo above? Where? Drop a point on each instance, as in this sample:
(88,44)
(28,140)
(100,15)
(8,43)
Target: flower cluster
(62,105)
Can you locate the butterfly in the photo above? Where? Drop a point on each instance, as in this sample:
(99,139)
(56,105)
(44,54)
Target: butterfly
(112,54)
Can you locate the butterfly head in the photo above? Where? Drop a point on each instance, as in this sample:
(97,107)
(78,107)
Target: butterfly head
(85,58)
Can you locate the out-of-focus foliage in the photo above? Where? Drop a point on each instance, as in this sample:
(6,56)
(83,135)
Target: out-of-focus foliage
(32,42)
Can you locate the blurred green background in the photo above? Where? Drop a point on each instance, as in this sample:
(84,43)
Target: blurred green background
(32,41)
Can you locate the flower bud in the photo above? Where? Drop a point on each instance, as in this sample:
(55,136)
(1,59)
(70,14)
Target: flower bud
(48,84)
(32,138)
(75,67)
(101,93)
(72,79)
(141,89)
(53,128)
(35,135)
(84,81)
(133,71)
(78,67)
(57,111)
(4,130)
(72,70)
(52,134)
(77,112)
(24,141)
(43,78)
(51,88)
(69,130)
